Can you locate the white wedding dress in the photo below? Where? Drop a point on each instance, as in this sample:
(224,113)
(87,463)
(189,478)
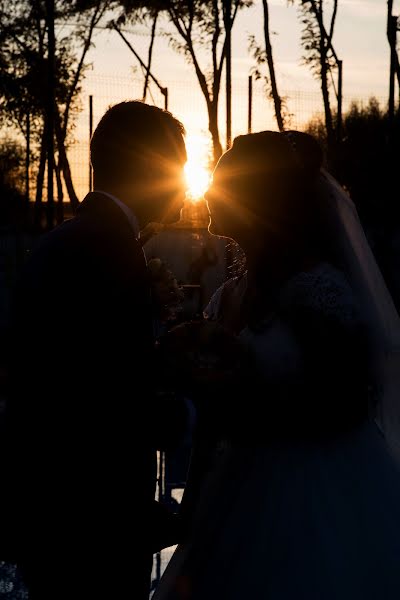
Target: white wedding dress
(297,517)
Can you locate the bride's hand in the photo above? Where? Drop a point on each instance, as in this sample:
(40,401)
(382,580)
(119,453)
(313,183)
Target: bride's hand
(202,359)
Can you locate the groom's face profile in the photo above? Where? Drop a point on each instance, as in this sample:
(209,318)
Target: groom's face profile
(160,186)
(138,154)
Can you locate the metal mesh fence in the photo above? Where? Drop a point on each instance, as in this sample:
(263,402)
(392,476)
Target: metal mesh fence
(186,102)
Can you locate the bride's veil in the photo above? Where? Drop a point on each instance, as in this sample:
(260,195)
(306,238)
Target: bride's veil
(359,264)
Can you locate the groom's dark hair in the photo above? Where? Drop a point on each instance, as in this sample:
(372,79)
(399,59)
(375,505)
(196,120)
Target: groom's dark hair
(133,136)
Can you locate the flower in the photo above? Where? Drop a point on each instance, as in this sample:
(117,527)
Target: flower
(167,296)
(202,357)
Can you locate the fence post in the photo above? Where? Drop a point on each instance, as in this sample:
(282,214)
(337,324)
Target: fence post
(340,101)
(90,137)
(392,26)
(27,160)
(250,105)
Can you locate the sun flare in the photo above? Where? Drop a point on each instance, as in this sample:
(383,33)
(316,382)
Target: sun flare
(197,173)
(197,180)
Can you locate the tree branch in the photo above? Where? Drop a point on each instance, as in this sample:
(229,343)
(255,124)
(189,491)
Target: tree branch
(97,14)
(333,19)
(189,43)
(271,67)
(223,51)
(184,32)
(191,19)
(318,16)
(150,55)
(40,30)
(215,37)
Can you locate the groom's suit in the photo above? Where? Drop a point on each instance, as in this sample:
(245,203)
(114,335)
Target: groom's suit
(84,423)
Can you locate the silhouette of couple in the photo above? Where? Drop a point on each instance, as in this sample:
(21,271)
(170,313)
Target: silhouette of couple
(307,490)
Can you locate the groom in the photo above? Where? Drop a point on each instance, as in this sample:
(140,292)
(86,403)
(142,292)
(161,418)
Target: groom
(85,421)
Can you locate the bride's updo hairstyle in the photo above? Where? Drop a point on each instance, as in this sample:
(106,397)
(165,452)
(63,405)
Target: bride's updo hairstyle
(267,180)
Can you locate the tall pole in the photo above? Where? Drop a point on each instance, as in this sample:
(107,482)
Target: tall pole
(165,94)
(228,63)
(50,111)
(27,160)
(90,137)
(340,97)
(250,106)
(392,26)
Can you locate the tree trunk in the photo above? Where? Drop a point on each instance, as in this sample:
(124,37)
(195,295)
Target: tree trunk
(73,198)
(50,101)
(213,128)
(274,87)
(60,195)
(150,56)
(64,164)
(38,209)
(325,95)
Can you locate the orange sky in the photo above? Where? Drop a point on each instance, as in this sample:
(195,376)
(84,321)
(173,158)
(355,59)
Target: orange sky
(359,40)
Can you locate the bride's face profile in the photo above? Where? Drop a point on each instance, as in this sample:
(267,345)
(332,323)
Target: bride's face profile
(229,216)
(261,194)
(215,203)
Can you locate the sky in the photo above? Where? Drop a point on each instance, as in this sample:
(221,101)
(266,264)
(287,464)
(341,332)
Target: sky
(359,40)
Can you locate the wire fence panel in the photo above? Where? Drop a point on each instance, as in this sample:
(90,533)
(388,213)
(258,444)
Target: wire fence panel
(187,103)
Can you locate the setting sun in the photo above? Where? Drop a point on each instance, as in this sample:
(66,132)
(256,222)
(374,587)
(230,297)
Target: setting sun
(196,169)
(197,178)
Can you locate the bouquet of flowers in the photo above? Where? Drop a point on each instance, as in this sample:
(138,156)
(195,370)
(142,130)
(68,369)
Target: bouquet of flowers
(166,294)
(201,359)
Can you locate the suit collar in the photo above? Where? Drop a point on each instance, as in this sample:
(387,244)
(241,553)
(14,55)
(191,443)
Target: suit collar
(104,206)
(130,215)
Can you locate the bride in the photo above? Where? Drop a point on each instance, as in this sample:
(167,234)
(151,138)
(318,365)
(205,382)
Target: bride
(303,502)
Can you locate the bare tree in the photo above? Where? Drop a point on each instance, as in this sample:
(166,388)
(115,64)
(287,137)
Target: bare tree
(393,25)
(87,18)
(263,56)
(24,58)
(140,11)
(202,25)
(200,28)
(150,54)
(319,53)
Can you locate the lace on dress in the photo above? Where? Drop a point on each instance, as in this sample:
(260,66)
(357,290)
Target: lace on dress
(323,292)
(310,360)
